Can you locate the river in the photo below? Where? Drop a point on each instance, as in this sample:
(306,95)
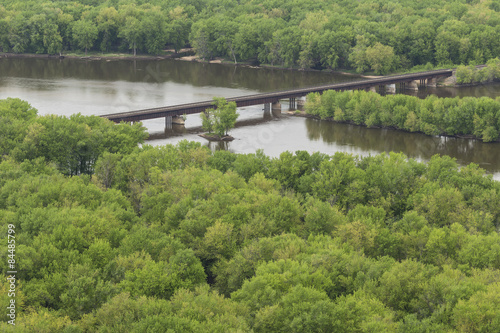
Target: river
(95,87)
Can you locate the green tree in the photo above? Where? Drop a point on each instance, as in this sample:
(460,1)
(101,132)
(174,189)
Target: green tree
(201,39)
(52,40)
(85,34)
(302,309)
(4,30)
(161,279)
(380,58)
(178,32)
(284,47)
(480,313)
(464,74)
(334,48)
(207,120)
(131,32)
(108,21)
(19,33)
(154,31)
(84,291)
(37,23)
(222,119)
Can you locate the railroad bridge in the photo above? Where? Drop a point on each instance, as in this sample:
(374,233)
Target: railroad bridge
(272,100)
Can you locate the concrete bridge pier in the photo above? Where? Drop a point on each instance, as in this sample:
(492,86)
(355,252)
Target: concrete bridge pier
(276,106)
(412,85)
(267,113)
(390,88)
(178,120)
(301,103)
(432,82)
(174,130)
(168,122)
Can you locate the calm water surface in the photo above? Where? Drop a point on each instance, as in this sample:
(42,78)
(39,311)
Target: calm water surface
(70,86)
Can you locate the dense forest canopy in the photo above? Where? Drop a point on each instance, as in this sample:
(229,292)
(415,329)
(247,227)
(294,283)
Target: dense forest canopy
(122,238)
(374,35)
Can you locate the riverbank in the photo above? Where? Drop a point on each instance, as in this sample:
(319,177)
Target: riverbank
(169,54)
(187,54)
(468,117)
(224,61)
(304,114)
(215,137)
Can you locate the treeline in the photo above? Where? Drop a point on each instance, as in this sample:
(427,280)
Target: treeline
(471,74)
(468,116)
(73,144)
(179,238)
(372,35)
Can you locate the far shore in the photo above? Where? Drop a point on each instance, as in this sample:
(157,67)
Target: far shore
(183,55)
(187,54)
(93,56)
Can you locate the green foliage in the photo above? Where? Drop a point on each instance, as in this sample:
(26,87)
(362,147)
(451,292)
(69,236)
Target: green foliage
(380,58)
(15,117)
(432,116)
(480,312)
(84,34)
(363,35)
(471,74)
(465,74)
(73,144)
(83,291)
(221,119)
(161,279)
(184,239)
(131,33)
(300,310)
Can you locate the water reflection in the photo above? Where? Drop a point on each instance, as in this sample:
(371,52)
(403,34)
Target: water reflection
(488,90)
(177,131)
(167,70)
(414,145)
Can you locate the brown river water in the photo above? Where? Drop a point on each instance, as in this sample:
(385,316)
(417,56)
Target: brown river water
(95,87)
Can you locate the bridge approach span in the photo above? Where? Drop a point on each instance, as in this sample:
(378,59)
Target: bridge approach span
(272,97)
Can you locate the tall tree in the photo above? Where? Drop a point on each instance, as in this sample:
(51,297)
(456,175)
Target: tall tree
(381,58)
(225,116)
(84,34)
(131,32)
(52,40)
(154,30)
(19,33)
(107,24)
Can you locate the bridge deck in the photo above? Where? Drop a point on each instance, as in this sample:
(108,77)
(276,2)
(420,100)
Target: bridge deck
(191,108)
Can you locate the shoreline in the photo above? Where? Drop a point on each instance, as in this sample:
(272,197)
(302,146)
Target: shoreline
(215,137)
(187,54)
(108,56)
(303,114)
(183,55)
